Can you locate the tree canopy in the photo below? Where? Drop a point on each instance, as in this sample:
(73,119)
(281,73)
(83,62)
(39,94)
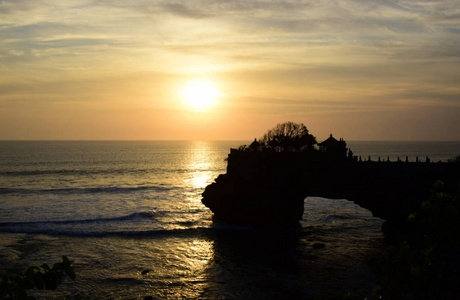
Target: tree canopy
(288,136)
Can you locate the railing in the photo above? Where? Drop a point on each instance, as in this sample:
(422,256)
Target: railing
(398,160)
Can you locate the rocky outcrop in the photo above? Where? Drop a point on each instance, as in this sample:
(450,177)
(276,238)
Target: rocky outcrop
(244,202)
(269,188)
(257,189)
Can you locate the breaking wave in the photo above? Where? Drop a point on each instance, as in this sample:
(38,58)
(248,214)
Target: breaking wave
(92,190)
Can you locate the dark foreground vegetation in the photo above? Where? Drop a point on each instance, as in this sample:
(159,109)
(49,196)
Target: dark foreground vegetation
(14,284)
(426,264)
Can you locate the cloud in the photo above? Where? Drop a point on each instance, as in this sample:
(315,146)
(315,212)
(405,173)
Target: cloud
(370,26)
(184,11)
(13,6)
(16,52)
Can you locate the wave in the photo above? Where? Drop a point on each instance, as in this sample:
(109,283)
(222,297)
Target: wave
(130,217)
(159,232)
(93,190)
(331,218)
(175,232)
(31,229)
(124,171)
(99,227)
(87,225)
(75,172)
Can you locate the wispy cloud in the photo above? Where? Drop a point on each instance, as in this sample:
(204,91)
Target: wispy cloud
(281,56)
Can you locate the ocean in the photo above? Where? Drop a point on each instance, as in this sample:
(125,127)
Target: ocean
(130,215)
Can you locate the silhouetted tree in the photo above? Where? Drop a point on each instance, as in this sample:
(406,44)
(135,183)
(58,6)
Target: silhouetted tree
(454,160)
(288,136)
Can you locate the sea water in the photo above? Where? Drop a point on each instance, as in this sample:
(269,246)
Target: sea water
(130,215)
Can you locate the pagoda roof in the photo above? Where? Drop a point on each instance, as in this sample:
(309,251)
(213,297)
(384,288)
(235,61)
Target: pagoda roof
(255,144)
(330,142)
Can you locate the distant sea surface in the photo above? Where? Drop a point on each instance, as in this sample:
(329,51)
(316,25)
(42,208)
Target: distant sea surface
(130,215)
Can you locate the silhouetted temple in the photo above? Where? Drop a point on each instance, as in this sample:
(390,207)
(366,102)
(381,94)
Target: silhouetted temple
(267,187)
(331,142)
(254,145)
(335,148)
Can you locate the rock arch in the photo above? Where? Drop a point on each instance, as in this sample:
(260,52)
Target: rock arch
(269,188)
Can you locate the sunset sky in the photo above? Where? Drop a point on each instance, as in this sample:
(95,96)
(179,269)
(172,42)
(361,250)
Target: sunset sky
(119,69)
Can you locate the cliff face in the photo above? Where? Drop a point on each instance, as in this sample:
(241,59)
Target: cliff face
(257,189)
(267,188)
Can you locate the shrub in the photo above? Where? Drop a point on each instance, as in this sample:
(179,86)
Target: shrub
(14,283)
(427,267)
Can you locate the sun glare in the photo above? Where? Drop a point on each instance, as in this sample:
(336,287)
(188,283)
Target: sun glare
(200,95)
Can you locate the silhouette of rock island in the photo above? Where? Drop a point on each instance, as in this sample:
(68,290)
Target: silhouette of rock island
(266,183)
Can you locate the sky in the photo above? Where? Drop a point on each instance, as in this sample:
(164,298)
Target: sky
(116,69)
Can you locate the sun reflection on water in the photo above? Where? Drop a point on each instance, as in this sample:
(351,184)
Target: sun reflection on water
(200,179)
(200,253)
(201,166)
(185,268)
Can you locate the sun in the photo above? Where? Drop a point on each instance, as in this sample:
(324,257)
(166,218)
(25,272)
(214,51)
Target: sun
(200,95)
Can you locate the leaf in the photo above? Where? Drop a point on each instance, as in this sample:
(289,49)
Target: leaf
(45,267)
(71,273)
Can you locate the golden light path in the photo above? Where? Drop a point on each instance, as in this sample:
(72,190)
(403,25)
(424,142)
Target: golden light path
(200,95)
(200,164)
